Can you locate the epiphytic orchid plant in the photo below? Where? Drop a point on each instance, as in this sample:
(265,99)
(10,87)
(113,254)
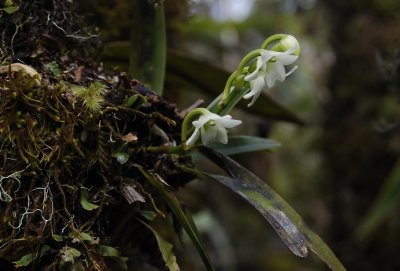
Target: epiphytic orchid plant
(203,127)
(90,160)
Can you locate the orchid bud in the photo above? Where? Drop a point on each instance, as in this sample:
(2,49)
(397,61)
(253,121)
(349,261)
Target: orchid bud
(287,43)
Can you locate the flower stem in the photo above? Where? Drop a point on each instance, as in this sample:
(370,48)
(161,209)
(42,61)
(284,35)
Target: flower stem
(227,89)
(272,39)
(250,56)
(238,77)
(186,122)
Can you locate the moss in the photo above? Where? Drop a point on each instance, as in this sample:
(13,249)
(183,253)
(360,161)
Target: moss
(52,146)
(59,132)
(91,96)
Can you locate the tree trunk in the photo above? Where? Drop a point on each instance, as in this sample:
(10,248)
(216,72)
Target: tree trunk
(357,155)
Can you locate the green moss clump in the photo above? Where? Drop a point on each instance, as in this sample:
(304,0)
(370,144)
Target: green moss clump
(91,96)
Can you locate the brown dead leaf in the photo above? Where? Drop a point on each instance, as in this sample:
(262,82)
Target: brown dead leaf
(129,137)
(78,74)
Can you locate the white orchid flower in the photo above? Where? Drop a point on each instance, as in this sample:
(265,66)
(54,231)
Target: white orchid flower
(212,127)
(270,67)
(276,66)
(257,78)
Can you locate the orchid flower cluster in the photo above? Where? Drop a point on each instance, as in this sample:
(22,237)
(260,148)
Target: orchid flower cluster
(258,70)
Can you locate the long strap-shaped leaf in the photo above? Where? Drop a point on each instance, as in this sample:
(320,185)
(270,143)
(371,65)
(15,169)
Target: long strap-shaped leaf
(186,223)
(285,220)
(243,144)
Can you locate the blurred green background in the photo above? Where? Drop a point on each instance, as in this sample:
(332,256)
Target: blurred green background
(338,169)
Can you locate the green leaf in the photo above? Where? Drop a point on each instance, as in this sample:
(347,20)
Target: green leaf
(85,237)
(81,236)
(136,100)
(11,9)
(385,203)
(149,215)
(167,253)
(69,254)
(74,252)
(243,144)
(25,260)
(148,52)
(130,100)
(166,250)
(122,157)
(85,200)
(58,238)
(108,251)
(284,219)
(174,205)
(54,69)
(28,258)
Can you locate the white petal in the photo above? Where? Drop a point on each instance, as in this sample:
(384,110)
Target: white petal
(204,119)
(255,97)
(254,74)
(194,137)
(264,69)
(253,91)
(258,84)
(250,94)
(256,87)
(280,72)
(208,134)
(287,59)
(222,135)
(228,122)
(200,122)
(287,52)
(265,56)
(275,71)
(214,116)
